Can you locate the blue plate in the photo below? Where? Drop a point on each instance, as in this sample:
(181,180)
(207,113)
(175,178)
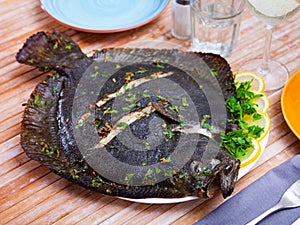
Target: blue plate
(103,16)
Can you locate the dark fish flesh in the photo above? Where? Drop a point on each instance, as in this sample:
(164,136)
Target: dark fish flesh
(50,128)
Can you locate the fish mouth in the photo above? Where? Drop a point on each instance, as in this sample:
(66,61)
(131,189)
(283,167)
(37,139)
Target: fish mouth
(225,177)
(229,175)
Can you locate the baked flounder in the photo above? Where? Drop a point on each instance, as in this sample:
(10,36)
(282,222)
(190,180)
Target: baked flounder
(135,123)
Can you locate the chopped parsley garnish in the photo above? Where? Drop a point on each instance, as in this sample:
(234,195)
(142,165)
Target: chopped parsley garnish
(54,77)
(204,124)
(129,178)
(214,72)
(97,181)
(110,111)
(149,172)
(141,70)
(74,173)
(182,175)
(104,75)
(68,47)
(169,133)
(128,108)
(117,66)
(184,102)
(147,145)
(145,95)
(55,46)
(165,60)
(174,108)
(131,98)
(157,170)
(168,174)
(54,89)
(37,101)
(156,63)
(122,124)
(80,124)
(94,75)
(238,141)
(243,102)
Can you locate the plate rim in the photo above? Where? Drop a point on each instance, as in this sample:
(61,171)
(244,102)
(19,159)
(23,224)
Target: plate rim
(153,17)
(283,98)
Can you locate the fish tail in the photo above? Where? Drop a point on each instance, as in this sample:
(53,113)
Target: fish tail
(48,51)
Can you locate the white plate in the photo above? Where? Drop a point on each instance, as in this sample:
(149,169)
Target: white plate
(103,16)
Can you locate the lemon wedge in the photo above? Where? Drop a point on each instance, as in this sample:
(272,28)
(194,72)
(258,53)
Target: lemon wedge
(264,122)
(257,84)
(251,155)
(263,103)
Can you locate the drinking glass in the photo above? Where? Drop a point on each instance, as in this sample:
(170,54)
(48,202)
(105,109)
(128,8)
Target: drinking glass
(271,12)
(215,25)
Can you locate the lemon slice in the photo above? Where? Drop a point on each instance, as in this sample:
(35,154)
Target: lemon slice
(262,102)
(257,84)
(264,122)
(251,155)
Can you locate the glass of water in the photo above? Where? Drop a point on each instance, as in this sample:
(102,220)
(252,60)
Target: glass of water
(215,25)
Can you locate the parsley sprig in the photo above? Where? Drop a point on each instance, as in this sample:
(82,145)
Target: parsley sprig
(238,141)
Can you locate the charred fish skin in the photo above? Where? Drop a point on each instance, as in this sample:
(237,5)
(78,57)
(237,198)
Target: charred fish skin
(54,51)
(47,134)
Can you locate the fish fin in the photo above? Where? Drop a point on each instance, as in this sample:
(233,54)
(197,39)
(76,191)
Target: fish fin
(48,51)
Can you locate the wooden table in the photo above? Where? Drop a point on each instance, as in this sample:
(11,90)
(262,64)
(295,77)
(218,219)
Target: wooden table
(30,194)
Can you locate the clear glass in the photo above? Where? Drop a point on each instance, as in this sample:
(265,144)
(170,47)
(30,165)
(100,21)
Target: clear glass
(215,25)
(271,12)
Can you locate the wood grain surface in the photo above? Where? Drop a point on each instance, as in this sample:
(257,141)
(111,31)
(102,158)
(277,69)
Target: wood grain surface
(30,194)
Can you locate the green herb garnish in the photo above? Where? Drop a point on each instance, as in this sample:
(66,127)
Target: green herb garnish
(169,133)
(104,75)
(157,170)
(146,95)
(156,63)
(97,181)
(55,46)
(68,47)
(141,70)
(37,101)
(128,108)
(147,145)
(129,178)
(131,98)
(174,108)
(168,174)
(184,102)
(214,72)
(238,141)
(110,111)
(242,103)
(122,125)
(204,124)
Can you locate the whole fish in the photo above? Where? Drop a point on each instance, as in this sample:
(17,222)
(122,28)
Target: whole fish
(70,126)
